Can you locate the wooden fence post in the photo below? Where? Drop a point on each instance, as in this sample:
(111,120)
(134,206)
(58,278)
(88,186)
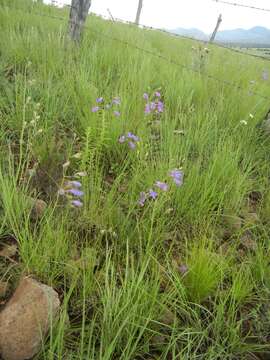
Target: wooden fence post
(77,16)
(112,18)
(139,10)
(216,28)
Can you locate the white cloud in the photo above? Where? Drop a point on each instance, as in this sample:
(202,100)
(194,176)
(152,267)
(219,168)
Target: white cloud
(201,14)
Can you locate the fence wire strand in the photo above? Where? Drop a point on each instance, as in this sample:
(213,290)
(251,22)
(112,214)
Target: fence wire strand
(202,42)
(154,54)
(241,5)
(147,27)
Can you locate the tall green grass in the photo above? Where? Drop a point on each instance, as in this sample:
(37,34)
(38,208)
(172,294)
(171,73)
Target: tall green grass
(176,279)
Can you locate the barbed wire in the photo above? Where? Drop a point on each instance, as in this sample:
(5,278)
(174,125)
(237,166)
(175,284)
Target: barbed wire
(154,54)
(169,33)
(241,5)
(202,42)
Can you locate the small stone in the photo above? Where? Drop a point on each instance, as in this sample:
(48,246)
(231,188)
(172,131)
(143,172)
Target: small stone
(26,319)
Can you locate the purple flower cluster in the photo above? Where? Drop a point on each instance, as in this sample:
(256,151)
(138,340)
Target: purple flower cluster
(152,194)
(153,104)
(112,105)
(176,175)
(72,191)
(130,138)
(162,185)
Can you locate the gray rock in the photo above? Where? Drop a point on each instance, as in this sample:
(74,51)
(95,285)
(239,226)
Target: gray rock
(26,319)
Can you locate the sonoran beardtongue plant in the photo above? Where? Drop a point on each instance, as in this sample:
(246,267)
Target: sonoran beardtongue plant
(114,104)
(153,194)
(145,96)
(75,183)
(131,140)
(162,185)
(142,199)
(132,137)
(155,106)
(95,109)
(76,203)
(132,145)
(177,177)
(71,190)
(75,192)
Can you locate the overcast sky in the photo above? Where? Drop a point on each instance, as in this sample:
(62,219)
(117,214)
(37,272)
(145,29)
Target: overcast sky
(171,14)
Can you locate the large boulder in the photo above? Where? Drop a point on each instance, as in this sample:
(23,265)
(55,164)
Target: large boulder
(26,319)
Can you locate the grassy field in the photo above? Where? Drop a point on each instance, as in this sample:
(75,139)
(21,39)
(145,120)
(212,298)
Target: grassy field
(156,233)
(264,52)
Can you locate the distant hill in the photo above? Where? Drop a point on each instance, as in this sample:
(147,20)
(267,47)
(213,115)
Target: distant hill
(193,33)
(257,35)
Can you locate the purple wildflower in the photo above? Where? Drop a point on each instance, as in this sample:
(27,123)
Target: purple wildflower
(145,96)
(160,106)
(153,105)
(161,185)
(76,203)
(99,100)
(142,198)
(177,176)
(132,145)
(147,109)
(157,94)
(116,101)
(122,139)
(117,113)
(75,192)
(75,183)
(95,109)
(132,136)
(153,194)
